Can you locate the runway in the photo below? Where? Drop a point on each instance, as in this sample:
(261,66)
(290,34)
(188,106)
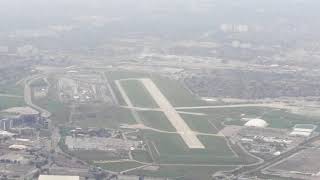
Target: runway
(189,137)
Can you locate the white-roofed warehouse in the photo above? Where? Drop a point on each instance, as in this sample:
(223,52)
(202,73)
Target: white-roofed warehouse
(303,130)
(56,177)
(256,123)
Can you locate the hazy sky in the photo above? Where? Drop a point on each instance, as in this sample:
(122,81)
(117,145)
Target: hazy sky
(70,8)
(175,16)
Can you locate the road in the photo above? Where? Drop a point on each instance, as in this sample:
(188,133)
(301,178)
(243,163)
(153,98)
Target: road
(158,109)
(256,169)
(272,105)
(107,82)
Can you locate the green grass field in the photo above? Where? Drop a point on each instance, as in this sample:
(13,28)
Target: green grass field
(199,123)
(183,172)
(118,75)
(60,112)
(102,116)
(175,92)
(277,118)
(12,89)
(170,148)
(138,94)
(94,155)
(156,120)
(8,102)
(142,156)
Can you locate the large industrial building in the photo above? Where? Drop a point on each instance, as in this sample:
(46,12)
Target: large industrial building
(56,177)
(303,130)
(256,123)
(14,117)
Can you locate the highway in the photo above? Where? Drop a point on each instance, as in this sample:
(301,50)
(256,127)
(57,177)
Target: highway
(257,168)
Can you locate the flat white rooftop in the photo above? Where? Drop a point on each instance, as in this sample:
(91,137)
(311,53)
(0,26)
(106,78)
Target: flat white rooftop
(22,110)
(56,177)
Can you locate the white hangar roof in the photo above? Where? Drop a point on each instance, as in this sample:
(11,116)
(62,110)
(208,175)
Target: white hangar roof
(256,123)
(56,177)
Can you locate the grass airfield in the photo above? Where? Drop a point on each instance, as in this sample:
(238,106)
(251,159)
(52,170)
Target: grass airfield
(166,148)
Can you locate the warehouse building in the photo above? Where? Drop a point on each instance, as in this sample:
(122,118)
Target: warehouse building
(304,130)
(56,177)
(256,123)
(17,116)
